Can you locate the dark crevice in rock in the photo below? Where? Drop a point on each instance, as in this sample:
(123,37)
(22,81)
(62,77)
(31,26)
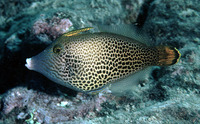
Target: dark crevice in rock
(143,13)
(158,93)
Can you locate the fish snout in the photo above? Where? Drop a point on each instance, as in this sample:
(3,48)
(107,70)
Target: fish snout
(29,64)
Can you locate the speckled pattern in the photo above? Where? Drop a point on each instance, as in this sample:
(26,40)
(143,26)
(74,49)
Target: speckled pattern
(88,62)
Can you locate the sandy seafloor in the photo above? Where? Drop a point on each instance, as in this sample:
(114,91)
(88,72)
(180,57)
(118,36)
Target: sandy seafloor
(169,95)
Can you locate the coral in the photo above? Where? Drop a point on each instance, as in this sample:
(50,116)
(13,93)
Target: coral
(16,98)
(45,108)
(13,43)
(172,22)
(46,29)
(133,7)
(10,8)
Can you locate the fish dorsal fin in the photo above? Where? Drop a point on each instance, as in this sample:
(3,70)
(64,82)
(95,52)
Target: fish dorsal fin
(127,30)
(75,32)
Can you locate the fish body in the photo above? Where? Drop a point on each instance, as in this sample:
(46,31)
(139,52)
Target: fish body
(90,62)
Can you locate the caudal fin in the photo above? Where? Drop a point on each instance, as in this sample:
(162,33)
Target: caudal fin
(168,55)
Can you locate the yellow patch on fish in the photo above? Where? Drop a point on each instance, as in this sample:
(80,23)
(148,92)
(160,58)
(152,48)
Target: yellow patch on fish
(75,32)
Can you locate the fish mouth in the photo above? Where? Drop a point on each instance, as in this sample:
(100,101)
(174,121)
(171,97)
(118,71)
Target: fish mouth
(29,64)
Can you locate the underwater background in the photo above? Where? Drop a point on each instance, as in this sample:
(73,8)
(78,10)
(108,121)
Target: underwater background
(169,95)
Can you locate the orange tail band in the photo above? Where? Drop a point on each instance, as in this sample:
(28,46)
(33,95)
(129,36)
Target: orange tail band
(168,55)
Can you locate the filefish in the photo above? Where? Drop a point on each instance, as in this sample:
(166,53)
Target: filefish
(89,62)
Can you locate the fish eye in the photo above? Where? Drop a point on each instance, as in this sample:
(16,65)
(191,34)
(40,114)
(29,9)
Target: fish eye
(57,49)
